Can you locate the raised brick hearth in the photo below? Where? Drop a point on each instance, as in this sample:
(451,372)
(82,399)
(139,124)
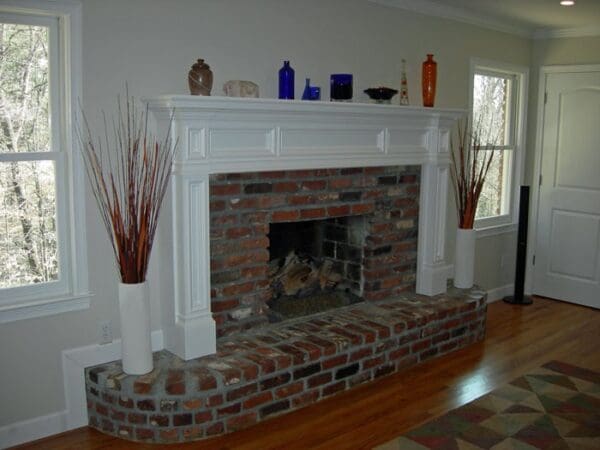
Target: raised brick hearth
(275,369)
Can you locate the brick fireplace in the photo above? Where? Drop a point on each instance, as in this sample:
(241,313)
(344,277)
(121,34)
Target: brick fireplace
(371,182)
(336,159)
(243,207)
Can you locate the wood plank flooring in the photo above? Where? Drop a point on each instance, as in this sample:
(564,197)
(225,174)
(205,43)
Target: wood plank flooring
(519,338)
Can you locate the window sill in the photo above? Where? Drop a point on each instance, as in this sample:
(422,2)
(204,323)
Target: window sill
(496,230)
(45,307)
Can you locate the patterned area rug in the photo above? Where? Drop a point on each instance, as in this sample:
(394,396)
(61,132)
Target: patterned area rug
(555,407)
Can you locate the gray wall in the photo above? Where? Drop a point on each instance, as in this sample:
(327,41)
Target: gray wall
(152,43)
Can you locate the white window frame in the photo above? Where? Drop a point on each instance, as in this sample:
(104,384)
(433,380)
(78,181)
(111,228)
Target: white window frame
(70,292)
(506,223)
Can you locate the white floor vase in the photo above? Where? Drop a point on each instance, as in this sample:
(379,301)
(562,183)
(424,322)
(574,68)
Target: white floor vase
(464,259)
(134,307)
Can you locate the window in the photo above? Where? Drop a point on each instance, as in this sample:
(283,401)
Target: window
(41,218)
(498,99)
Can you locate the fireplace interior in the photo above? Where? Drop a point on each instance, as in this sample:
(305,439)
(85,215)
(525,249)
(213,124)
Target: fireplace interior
(315,265)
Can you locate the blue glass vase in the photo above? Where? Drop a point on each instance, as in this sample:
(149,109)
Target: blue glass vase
(286,81)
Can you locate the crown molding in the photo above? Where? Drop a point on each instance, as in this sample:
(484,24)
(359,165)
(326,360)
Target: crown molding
(553,33)
(431,8)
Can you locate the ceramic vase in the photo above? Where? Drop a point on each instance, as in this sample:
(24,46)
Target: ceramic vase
(134,309)
(200,78)
(428,80)
(464,259)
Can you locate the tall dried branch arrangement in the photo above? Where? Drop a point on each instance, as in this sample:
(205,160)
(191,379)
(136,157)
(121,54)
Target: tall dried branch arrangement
(129,171)
(471,161)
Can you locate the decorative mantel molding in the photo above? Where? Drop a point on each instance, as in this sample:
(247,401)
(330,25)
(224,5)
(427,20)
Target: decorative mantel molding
(226,135)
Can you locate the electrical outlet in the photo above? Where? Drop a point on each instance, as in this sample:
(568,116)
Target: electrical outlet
(105,332)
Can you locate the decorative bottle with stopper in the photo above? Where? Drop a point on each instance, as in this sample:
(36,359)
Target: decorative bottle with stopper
(403,85)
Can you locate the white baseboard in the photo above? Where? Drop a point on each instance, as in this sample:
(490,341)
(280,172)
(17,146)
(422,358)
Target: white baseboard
(74,362)
(32,429)
(500,292)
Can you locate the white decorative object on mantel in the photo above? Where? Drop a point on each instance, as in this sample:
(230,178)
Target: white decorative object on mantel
(228,135)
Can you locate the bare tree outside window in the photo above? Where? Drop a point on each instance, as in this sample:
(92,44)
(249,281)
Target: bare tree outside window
(28,229)
(491,116)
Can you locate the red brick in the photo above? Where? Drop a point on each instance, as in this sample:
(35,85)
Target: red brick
(360,354)
(305,399)
(301,200)
(215,429)
(224,305)
(136,418)
(159,420)
(175,384)
(241,422)
(301,173)
(215,400)
(369,363)
(236,289)
(217,205)
(243,391)
(422,345)
(328,347)
(202,417)
(289,389)
(314,185)
(244,203)
(272,201)
(334,362)
(125,402)
(314,352)
(168,435)
(285,216)
(101,409)
(144,434)
(192,433)
(250,244)
(257,400)
(340,183)
(334,211)
(206,380)
(333,388)
(319,380)
(238,232)
(267,365)
(117,415)
(225,189)
(399,353)
(231,409)
(363,208)
(254,272)
(313,213)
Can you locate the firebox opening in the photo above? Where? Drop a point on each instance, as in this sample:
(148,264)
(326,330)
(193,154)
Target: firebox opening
(315,265)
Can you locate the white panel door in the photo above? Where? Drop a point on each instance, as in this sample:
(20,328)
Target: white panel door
(567,253)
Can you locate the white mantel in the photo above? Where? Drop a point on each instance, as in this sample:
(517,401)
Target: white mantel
(224,135)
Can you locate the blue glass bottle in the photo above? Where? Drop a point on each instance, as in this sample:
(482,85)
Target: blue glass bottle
(286,81)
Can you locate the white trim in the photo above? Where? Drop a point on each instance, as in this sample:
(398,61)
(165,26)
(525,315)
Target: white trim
(506,223)
(556,33)
(537,161)
(45,307)
(70,292)
(495,294)
(445,11)
(32,429)
(74,362)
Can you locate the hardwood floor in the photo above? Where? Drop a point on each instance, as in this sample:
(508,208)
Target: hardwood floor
(519,338)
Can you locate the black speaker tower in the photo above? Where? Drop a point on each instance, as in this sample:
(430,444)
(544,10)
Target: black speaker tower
(518,298)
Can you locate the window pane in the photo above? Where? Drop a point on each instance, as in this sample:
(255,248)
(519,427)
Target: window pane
(28,240)
(24,99)
(491,107)
(496,193)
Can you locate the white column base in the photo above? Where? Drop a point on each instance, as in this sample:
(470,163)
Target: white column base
(192,338)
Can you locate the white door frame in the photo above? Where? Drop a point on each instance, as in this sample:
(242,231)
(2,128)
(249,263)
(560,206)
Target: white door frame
(537,168)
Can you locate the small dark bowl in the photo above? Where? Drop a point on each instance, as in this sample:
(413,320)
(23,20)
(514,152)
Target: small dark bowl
(380,93)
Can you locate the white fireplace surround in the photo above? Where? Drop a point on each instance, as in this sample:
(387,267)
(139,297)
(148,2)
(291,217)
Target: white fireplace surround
(226,135)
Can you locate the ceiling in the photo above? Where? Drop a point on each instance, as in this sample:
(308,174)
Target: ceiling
(534,18)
